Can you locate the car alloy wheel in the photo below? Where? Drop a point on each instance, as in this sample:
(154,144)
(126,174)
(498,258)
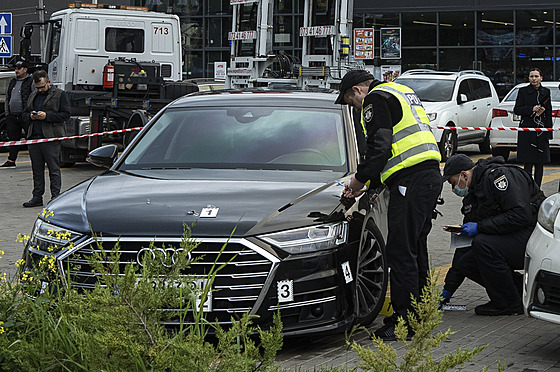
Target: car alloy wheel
(372,275)
(448,144)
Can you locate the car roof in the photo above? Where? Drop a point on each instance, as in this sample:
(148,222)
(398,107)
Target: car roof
(547,84)
(271,97)
(442,75)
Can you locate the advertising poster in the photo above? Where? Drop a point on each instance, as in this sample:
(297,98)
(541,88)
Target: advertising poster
(363,43)
(390,72)
(390,43)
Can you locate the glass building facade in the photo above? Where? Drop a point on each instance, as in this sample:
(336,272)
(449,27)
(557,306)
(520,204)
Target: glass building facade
(503,42)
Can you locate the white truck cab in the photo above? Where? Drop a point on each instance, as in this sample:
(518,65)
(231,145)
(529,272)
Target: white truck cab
(81,41)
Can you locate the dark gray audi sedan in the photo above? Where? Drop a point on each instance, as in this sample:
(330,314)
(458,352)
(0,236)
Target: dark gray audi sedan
(257,170)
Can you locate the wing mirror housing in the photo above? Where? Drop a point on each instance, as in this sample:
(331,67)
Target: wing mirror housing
(104,156)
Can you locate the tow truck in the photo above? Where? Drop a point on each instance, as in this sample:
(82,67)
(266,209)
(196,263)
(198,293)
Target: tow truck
(120,65)
(263,67)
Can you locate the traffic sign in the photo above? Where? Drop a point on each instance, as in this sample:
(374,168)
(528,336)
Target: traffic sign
(5,23)
(5,46)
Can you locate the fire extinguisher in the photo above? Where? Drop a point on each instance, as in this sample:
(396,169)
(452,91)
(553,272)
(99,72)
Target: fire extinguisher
(108,76)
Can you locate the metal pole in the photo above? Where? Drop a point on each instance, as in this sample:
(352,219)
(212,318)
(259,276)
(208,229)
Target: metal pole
(42,37)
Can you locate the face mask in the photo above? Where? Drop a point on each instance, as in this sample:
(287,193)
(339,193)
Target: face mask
(459,191)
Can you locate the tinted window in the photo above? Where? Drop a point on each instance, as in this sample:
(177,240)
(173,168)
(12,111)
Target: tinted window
(429,90)
(242,137)
(4,81)
(124,40)
(466,89)
(481,88)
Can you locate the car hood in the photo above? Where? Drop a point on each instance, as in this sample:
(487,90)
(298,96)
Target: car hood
(249,203)
(431,107)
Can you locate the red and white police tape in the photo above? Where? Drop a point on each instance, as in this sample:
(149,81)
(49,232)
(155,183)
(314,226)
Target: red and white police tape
(30,142)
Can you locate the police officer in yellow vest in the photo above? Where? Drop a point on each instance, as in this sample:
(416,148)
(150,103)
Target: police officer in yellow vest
(402,153)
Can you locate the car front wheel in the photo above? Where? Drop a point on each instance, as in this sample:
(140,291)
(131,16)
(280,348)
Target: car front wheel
(448,144)
(371,275)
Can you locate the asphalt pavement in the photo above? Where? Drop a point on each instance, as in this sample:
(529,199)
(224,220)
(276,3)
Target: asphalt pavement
(517,342)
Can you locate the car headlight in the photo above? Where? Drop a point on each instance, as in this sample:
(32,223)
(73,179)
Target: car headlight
(50,238)
(309,239)
(432,116)
(548,212)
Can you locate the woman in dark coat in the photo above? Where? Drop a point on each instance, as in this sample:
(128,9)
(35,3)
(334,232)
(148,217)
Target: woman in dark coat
(534,106)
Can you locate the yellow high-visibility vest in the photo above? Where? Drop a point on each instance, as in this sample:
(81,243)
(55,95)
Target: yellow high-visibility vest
(413,141)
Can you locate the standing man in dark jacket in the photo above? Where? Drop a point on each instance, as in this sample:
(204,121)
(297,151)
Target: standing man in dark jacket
(47,110)
(17,94)
(501,205)
(534,106)
(402,153)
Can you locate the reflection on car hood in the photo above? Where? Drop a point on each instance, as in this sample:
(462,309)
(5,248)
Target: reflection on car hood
(122,204)
(431,107)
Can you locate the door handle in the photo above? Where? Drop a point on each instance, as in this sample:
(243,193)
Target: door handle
(474,108)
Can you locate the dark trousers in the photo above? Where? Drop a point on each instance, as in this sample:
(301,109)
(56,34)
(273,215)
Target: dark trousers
(491,262)
(41,154)
(410,221)
(454,277)
(15,125)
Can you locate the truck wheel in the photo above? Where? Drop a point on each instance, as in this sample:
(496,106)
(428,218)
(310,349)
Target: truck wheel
(3,133)
(501,151)
(371,275)
(448,144)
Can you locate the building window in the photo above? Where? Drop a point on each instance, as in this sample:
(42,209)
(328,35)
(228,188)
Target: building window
(419,58)
(495,28)
(456,28)
(419,29)
(533,27)
(456,59)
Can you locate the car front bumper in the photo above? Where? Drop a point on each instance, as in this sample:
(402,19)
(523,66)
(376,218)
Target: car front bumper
(541,285)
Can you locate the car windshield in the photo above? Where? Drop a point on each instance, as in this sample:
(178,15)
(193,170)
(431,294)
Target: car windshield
(430,90)
(554,94)
(242,137)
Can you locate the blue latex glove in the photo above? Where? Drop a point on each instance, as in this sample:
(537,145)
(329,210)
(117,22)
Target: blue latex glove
(469,229)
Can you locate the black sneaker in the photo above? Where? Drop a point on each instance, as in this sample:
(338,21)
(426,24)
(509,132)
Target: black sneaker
(491,309)
(387,332)
(35,201)
(8,164)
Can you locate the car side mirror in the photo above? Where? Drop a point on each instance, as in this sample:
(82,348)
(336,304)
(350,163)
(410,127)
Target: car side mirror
(103,156)
(462,98)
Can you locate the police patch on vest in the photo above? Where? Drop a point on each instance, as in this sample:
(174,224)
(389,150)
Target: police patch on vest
(368,113)
(501,183)
(413,99)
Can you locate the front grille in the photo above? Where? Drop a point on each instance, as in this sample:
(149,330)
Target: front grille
(237,288)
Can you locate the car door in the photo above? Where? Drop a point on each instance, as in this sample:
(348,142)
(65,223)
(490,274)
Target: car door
(466,109)
(484,103)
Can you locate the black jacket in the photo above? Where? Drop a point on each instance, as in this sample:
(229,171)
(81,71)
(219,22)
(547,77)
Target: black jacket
(384,112)
(502,198)
(26,88)
(533,147)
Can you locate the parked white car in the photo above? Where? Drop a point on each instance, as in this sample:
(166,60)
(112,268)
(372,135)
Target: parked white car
(463,98)
(541,284)
(505,141)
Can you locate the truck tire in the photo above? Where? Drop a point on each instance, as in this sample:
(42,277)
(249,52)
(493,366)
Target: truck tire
(3,133)
(138,119)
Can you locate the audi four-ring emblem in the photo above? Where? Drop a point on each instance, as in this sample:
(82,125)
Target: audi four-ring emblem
(168,256)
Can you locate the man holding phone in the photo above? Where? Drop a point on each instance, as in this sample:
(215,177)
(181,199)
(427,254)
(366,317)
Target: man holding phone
(48,108)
